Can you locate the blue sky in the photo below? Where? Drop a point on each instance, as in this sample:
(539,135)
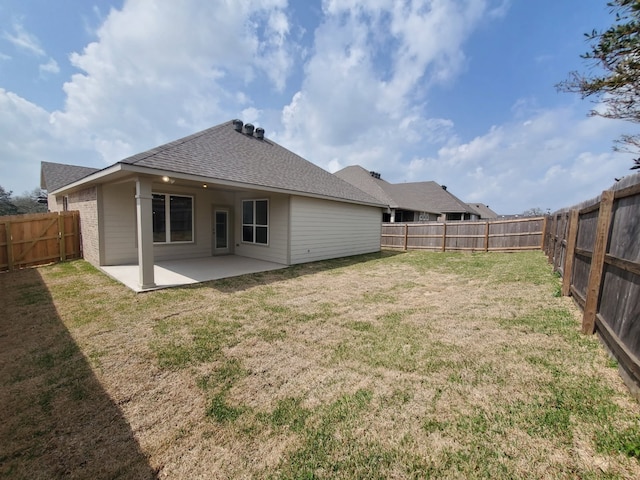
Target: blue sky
(456,91)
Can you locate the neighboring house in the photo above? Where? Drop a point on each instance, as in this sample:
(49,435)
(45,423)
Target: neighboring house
(225,190)
(409,202)
(483,210)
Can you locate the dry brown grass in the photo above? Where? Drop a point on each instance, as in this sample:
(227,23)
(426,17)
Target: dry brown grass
(385,366)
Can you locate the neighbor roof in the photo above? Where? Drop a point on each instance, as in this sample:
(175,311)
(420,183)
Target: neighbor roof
(483,210)
(428,196)
(56,175)
(418,196)
(361,178)
(222,153)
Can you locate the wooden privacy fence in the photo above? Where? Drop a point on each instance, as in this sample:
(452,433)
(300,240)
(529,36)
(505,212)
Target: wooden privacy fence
(38,238)
(596,248)
(486,236)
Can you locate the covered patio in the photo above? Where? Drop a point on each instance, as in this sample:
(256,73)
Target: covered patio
(174,273)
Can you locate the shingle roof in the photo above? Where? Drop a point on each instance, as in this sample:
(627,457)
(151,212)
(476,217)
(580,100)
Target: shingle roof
(362,179)
(223,153)
(56,175)
(483,210)
(428,196)
(417,196)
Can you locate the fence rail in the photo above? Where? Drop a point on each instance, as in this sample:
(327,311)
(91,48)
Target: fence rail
(38,238)
(488,236)
(596,248)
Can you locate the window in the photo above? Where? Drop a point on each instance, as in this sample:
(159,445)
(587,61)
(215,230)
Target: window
(172,218)
(255,221)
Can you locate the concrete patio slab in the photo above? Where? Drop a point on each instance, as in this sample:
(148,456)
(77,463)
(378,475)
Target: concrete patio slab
(173,273)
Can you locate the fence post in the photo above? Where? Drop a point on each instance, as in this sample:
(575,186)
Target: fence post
(406,236)
(486,237)
(597,262)
(569,254)
(7,226)
(544,242)
(444,237)
(551,247)
(61,244)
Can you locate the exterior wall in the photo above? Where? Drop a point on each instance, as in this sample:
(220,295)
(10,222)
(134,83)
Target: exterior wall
(322,229)
(55,204)
(277,249)
(86,202)
(119,224)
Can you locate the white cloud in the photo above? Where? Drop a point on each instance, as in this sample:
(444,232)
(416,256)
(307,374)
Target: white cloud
(50,67)
(363,98)
(27,140)
(156,71)
(23,39)
(158,68)
(547,161)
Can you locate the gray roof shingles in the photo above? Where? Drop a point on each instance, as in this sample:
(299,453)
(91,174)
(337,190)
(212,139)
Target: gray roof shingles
(417,196)
(483,210)
(222,153)
(56,175)
(362,179)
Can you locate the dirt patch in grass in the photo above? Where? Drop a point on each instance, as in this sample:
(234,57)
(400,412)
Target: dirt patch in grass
(384,366)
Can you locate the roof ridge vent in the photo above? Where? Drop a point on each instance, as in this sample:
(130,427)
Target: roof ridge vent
(260,133)
(374,174)
(237,124)
(248,129)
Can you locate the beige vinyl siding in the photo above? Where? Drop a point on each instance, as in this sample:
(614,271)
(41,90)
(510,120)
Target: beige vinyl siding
(322,229)
(119,216)
(277,248)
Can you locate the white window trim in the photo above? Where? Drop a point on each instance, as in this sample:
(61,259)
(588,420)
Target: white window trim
(254,225)
(167,218)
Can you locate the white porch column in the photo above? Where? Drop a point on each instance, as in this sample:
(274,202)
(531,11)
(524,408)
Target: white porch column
(393,215)
(144,213)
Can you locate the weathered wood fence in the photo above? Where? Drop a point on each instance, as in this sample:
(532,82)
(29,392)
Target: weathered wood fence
(596,248)
(486,236)
(38,238)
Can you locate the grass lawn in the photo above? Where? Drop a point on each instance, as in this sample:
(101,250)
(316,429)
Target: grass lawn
(392,365)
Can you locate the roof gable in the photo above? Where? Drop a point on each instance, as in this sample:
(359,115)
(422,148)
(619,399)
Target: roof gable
(56,175)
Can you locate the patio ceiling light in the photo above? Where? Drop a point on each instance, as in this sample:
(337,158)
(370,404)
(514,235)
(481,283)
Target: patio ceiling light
(168,180)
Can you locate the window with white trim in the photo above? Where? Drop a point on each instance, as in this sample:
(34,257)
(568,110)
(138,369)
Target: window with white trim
(255,221)
(172,218)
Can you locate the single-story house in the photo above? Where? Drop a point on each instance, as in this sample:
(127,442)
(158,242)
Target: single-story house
(228,190)
(409,202)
